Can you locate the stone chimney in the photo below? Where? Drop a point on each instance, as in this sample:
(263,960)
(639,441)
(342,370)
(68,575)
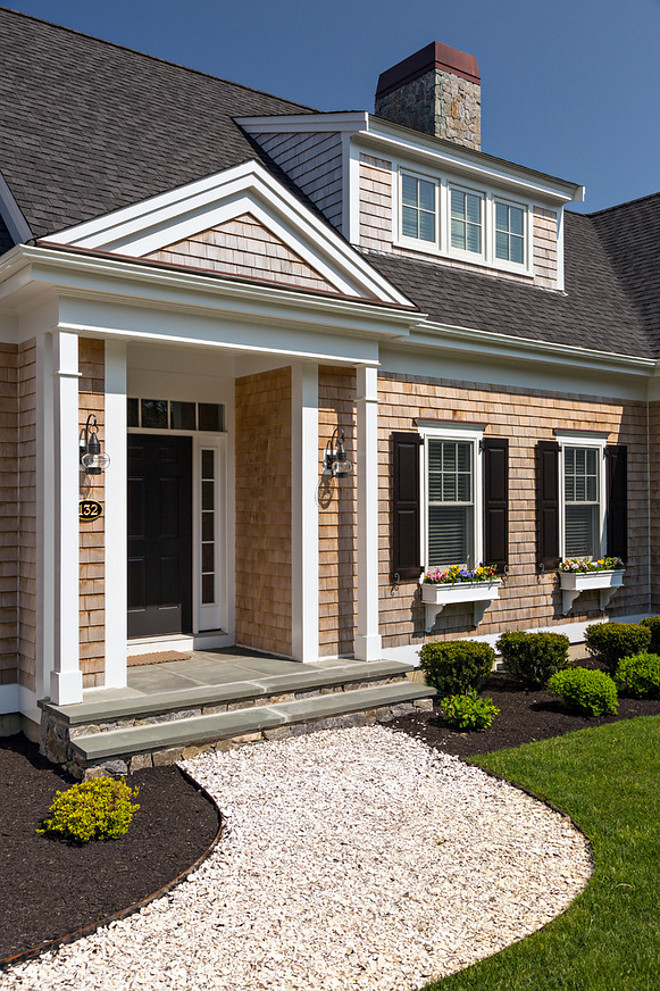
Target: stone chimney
(437,90)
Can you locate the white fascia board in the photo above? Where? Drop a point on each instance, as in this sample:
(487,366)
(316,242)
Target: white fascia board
(513,348)
(12,215)
(152,224)
(388,139)
(349,121)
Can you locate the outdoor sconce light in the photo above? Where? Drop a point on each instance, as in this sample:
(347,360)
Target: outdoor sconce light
(335,461)
(92,459)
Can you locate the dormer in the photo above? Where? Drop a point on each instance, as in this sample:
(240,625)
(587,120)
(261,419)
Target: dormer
(413,181)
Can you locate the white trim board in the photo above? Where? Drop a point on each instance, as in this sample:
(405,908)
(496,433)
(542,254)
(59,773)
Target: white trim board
(12,215)
(162,220)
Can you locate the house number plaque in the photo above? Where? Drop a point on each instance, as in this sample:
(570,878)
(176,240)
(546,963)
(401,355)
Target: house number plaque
(88,510)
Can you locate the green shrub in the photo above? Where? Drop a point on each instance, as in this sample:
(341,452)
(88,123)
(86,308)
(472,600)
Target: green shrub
(93,810)
(590,692)
(609,642)
(467,712)
(456,667)
(532,658)
(653,624)
(639,676)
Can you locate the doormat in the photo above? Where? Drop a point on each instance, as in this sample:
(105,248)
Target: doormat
(158,657)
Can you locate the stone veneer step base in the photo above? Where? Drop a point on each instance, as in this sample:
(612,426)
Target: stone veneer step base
(120,750)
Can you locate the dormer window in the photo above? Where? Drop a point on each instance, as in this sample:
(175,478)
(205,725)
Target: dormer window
(466,221)
(418,208)
(509,233)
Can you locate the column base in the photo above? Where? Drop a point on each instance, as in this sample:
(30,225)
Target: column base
(368,648)
(66,687)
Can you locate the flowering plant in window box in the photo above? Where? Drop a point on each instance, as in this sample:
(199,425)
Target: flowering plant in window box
(582,565)
(457,575)
(581,574)
(456,584)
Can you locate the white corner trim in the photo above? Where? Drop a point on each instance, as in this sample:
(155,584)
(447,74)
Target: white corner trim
(12,215)
(368,643)
(152,224)
(304,512)
(115,498)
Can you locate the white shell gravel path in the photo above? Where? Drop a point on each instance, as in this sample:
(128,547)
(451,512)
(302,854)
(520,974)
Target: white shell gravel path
(353,858)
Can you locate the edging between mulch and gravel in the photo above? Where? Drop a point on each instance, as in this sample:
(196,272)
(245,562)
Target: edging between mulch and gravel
(72,937)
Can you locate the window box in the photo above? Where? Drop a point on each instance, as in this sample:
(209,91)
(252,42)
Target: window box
(436,596)
(573,583)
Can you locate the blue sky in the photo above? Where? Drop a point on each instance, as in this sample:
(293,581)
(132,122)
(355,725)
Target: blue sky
(569,87)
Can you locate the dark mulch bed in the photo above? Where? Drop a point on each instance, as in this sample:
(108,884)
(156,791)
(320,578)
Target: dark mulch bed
(49,888)
(524,717)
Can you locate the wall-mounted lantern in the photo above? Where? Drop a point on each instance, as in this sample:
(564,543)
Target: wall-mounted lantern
(92,459)
(335,461)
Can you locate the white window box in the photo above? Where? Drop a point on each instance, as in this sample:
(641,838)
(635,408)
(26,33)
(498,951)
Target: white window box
(572,583)
(436,597)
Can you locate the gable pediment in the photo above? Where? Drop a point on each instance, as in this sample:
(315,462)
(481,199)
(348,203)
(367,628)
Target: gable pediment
(246,223)
(244,246)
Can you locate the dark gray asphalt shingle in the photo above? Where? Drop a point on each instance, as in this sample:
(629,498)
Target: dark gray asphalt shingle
(630,234)
(87,127)
(595,312)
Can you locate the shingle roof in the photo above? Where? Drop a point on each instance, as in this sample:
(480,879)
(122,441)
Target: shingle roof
(630,234)
(595,312)
(105,126)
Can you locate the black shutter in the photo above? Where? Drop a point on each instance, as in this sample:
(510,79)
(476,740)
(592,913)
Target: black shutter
(405,506)
(496,502)
(617,501)
(547,503)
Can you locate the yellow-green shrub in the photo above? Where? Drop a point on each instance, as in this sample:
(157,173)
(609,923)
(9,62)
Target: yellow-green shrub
(93,810)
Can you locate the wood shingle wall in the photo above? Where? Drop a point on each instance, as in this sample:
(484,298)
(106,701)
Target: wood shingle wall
(314,162)
(91,399)
(27,514)
(527,599)
(243,247)
(337,517)
(9,535)
(263,511)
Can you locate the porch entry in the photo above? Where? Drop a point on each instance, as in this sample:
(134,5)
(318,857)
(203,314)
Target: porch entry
(160,516)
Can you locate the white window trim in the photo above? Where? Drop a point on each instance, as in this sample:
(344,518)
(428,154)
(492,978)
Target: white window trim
(598,443)
(416,243)
(477,257)
(441,247)
(463,432)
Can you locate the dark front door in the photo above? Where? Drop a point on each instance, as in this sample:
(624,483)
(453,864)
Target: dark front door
(159,535)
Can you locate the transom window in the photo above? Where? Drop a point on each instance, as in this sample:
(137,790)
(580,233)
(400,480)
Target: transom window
(164,414)
(510,233)
(466,221)
(418,208)
(450,502)
(582,502)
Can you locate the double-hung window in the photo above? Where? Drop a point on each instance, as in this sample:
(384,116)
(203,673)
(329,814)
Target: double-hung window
(509,233)
(582,497)
(418,208)
(467,210)
(452,486)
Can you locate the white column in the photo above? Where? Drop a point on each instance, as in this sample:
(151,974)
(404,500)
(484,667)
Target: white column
(66,676)
(45,516)
(368,644)
(304,512)
(116,538)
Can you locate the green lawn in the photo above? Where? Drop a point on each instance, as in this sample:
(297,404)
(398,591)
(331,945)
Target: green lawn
(608,780)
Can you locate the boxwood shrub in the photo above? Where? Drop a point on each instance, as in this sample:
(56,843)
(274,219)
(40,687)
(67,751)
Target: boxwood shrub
(639,676)
(100,809)
(653,624)
(456,667)
(590,692)
(532,658)
(469,711)
(609,642)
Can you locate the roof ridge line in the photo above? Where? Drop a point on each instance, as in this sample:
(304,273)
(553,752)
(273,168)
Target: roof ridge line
(619,206)
(153,58)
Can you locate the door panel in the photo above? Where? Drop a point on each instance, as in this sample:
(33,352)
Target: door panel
(159,535)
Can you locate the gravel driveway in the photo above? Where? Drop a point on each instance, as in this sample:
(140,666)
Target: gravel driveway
(351,858)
